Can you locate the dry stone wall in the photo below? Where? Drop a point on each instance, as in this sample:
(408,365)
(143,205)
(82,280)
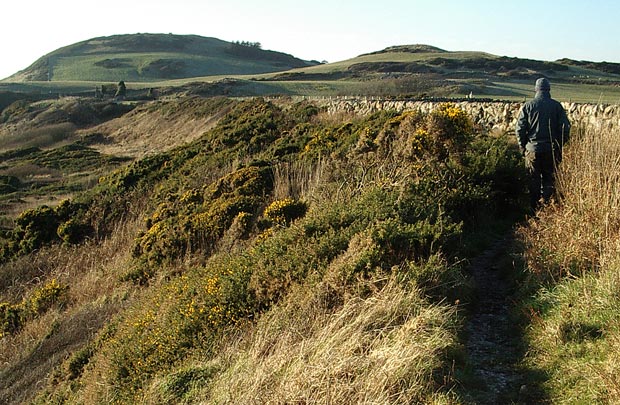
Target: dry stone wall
(491,115)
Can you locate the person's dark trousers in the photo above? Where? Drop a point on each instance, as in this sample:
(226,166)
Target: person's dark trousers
(541,167)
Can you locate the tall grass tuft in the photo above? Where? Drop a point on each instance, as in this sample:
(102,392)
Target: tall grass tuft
(573,256)
(298,179)
(385,348)
(580,232)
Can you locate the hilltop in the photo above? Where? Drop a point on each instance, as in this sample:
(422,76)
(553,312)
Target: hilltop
(424,70)
(210,67)
(155,57)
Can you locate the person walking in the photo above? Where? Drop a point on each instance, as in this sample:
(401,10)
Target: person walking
(542,130)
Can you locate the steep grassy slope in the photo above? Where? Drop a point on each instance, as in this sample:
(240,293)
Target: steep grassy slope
(154,57)
(292,255)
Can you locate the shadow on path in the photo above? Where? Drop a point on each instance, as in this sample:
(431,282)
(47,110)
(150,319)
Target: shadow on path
(494,336)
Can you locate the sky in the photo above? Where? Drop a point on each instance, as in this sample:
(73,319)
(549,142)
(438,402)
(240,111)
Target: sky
(324,30)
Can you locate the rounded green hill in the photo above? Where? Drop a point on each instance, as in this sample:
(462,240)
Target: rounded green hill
(155,57)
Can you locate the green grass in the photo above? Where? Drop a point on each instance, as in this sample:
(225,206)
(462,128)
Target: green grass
(188,60)
(149,57)
(136,67)
(565,92)
(391,57)
(576,340)
(247,86)
(279,231)
(572,276)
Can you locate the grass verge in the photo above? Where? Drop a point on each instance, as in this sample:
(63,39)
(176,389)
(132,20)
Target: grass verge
(573,273)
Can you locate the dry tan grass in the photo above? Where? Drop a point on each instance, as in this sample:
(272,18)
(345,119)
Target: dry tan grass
(298,180)
(338,117)
(44,344)
(146,131)
(30,170)
(608,373)
(582,230)
(90,270)
(381,350)
(92,273)
(25,134)
(574,247)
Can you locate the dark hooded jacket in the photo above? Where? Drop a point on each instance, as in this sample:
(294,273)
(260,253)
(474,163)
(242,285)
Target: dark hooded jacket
(542,125)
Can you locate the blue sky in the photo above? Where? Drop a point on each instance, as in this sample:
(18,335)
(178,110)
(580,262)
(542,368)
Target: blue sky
(329,30)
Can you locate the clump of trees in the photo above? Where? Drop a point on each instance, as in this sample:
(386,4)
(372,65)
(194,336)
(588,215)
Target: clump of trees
(245,49)
(248,44)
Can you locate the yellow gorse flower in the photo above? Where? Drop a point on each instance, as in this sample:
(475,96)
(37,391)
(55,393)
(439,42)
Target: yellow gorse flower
(284,211)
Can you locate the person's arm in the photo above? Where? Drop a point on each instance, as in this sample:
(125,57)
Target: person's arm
(522,129)
(564,126)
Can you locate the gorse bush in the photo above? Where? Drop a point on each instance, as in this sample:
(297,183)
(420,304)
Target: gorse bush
(197,219)
(44,297)
(40,226)
(10,318)
(9,184)
(250,128)
(272,201)
(36,227)
(282,212)
(41,299)
(450,128)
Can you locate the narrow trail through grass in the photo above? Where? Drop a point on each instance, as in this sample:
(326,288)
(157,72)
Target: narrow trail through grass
(494,342)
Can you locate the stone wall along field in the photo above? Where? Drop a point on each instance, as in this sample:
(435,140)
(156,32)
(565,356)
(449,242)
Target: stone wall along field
(494,116)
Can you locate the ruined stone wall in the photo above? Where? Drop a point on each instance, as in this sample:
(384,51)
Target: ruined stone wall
(493,116)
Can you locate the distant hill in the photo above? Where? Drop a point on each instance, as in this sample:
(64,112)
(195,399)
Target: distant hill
(210,67)
(423,70)
(420,58)
(416,48)
(155,57)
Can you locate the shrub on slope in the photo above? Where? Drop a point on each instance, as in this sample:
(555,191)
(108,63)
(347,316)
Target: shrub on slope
(390,202)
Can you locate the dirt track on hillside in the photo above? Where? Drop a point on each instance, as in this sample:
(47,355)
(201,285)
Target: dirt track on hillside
(494,341)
